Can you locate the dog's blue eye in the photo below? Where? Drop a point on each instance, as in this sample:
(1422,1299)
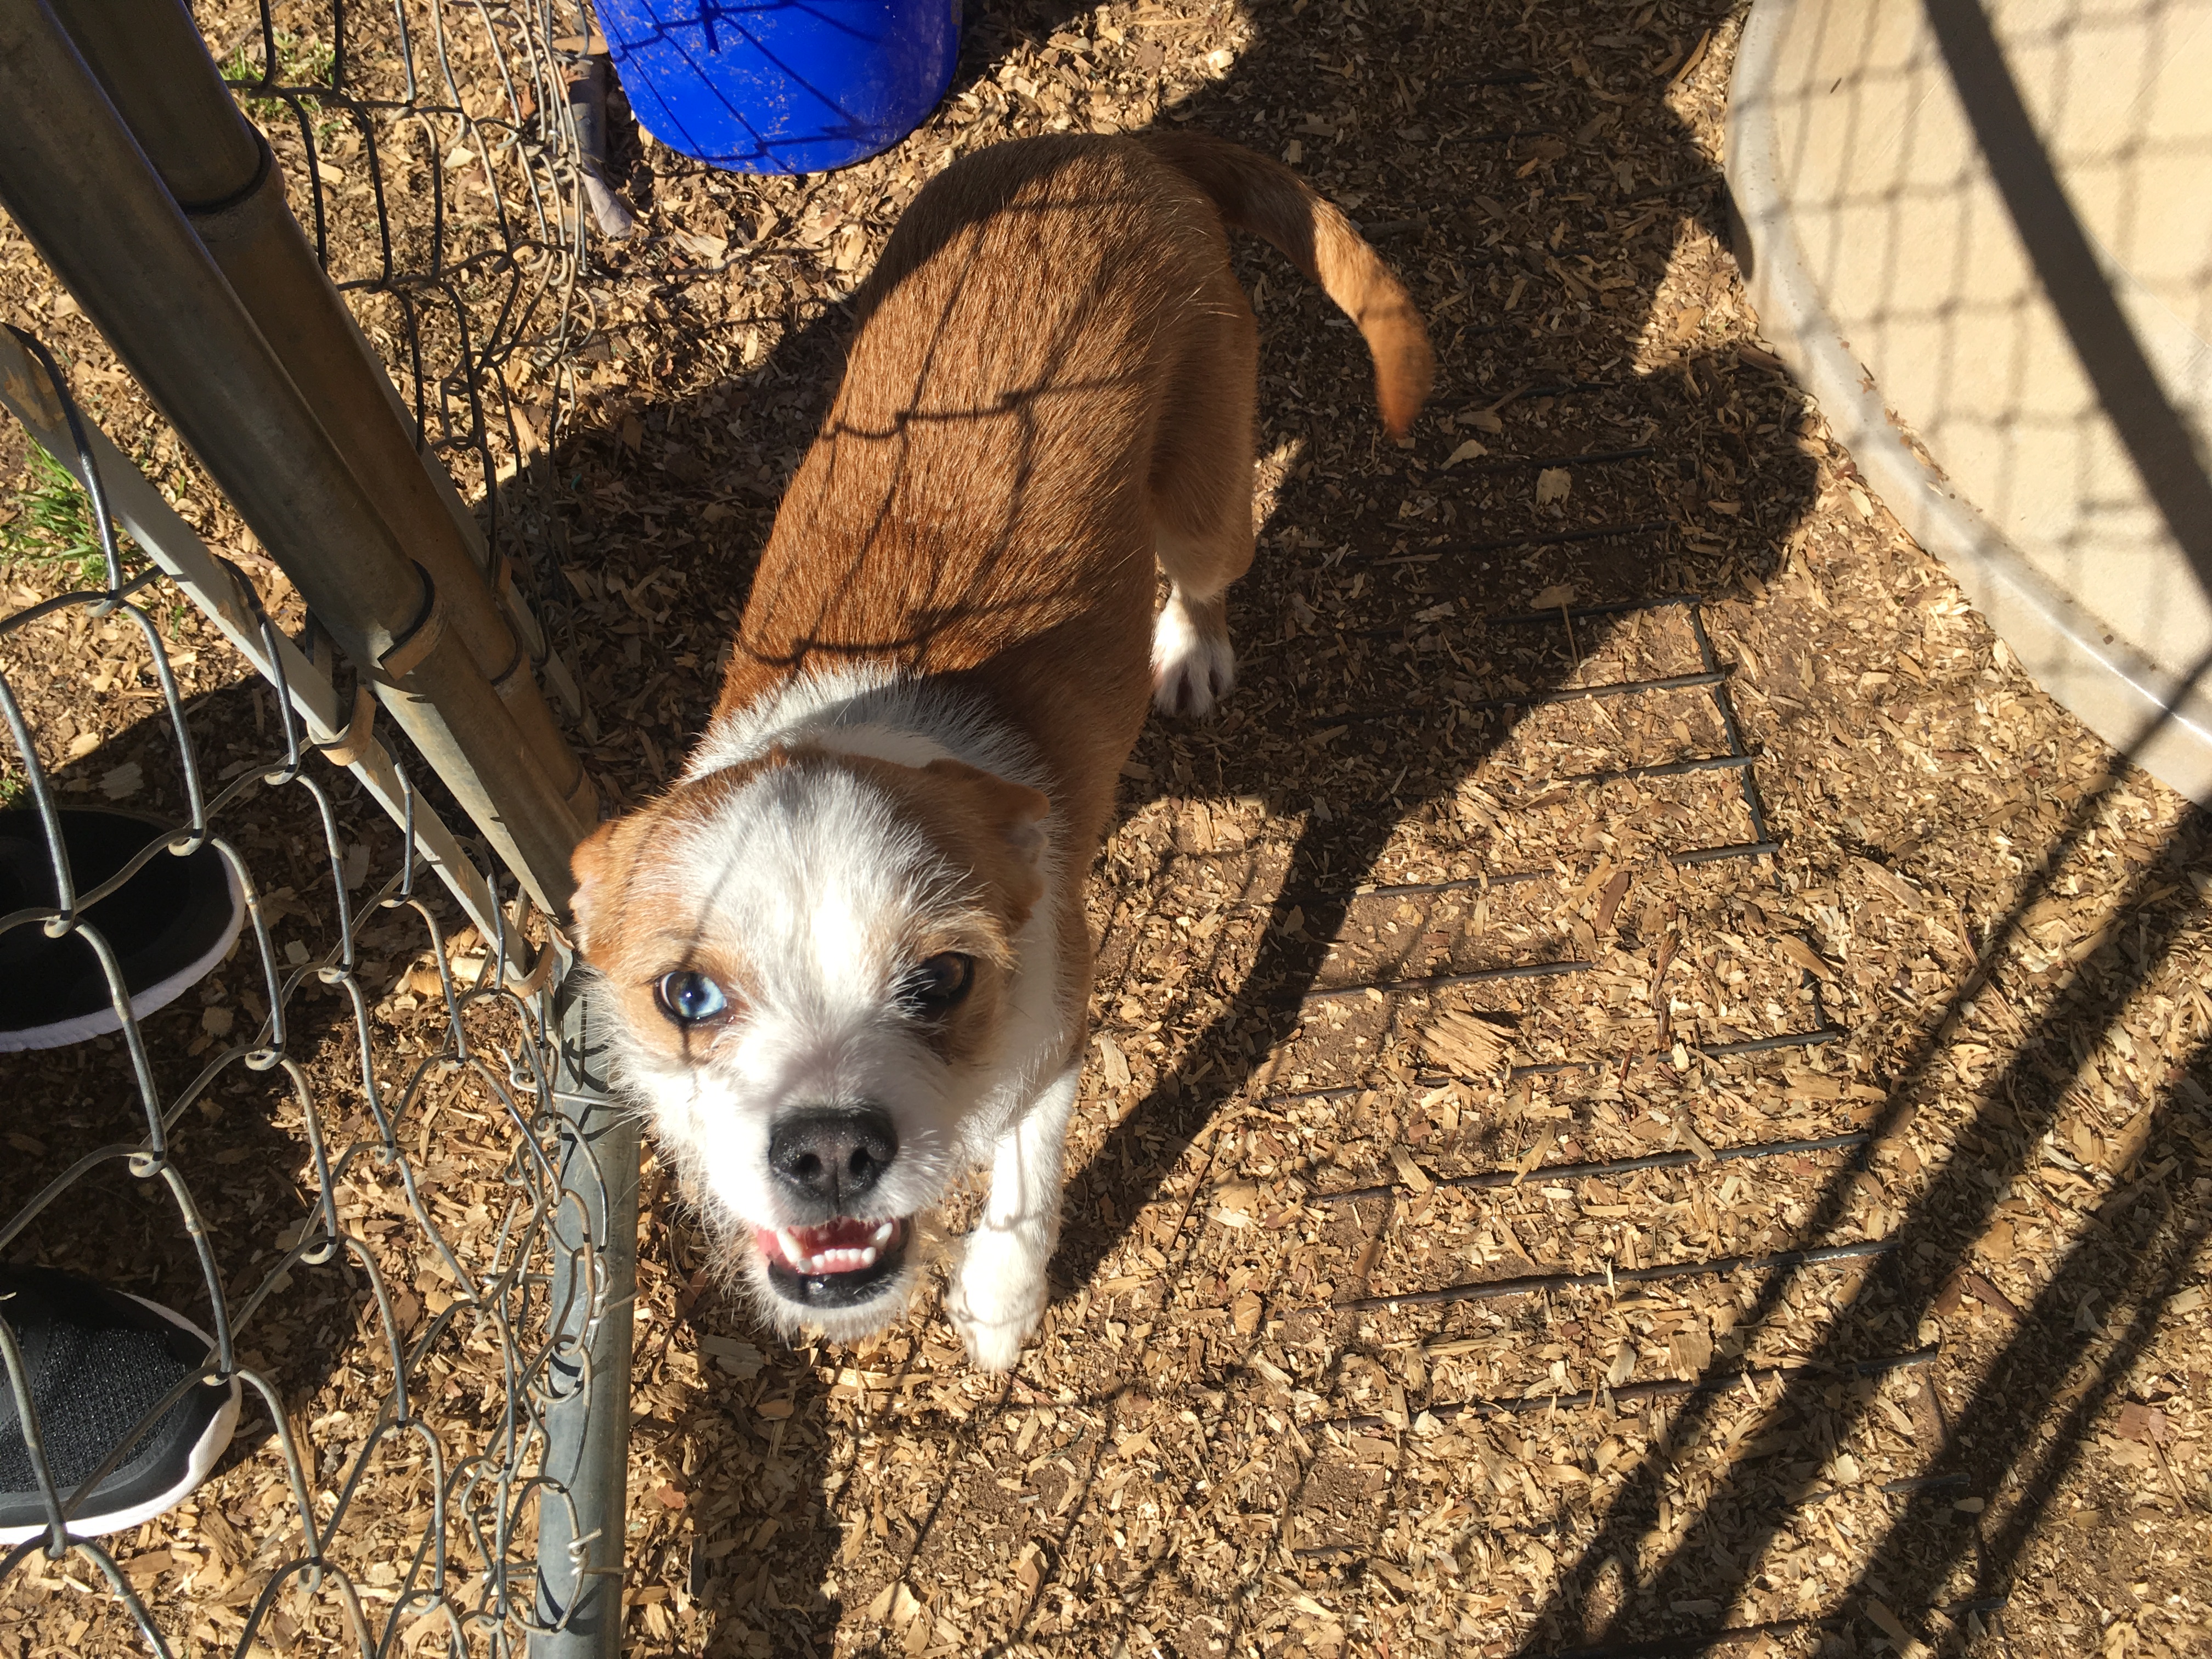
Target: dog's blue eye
(687,997)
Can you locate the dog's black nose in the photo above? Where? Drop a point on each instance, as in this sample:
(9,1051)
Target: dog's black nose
(833,1157)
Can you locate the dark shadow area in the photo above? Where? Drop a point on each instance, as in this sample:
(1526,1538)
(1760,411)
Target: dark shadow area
(2144,1239)
(63,1102)
(237,1134)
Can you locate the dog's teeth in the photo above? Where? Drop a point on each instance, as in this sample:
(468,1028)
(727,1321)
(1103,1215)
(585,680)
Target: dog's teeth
(839,1259)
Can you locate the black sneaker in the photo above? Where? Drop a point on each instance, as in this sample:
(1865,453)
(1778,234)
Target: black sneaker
(98,1360)
(169,926)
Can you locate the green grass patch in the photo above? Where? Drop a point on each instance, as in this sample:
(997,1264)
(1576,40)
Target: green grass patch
(298,64)
(52,525)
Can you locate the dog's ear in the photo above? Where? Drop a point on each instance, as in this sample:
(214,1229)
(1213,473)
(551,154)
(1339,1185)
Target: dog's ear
(1012,814)
(592,863)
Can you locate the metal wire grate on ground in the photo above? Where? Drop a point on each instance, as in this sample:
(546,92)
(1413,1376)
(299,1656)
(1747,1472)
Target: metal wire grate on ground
(1551,1022)
(1495,1135)
(1553,1136)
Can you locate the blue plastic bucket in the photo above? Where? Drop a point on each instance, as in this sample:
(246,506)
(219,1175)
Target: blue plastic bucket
(781,85)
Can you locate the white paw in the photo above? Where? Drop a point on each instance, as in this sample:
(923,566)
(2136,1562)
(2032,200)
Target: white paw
(998,1297)
(1193,666)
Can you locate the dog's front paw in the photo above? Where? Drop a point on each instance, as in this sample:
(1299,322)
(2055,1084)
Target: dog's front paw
(998,1297)
(1194,664)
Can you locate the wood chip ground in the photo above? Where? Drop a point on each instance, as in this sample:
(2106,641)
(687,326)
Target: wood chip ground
(1353,1351)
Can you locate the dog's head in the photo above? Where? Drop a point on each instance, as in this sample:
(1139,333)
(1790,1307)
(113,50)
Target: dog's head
(825,970)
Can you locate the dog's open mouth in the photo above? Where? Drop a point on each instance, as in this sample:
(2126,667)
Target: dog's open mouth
(834,1265)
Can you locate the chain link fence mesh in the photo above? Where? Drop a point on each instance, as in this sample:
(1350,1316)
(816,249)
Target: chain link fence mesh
(432,154)
(340,1153)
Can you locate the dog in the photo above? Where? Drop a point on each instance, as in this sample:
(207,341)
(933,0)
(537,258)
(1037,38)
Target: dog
(846,955)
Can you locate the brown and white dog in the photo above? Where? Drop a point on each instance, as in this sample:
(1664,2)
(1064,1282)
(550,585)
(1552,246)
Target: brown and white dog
(847,953)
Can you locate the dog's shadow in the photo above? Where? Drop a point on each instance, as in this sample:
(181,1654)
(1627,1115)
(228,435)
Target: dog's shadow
(1468,177)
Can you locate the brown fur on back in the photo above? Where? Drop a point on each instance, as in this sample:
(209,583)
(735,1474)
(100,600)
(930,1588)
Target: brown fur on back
(975,502)
(978,502)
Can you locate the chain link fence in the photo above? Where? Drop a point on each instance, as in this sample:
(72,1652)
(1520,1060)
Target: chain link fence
(436,151)
(367,1153)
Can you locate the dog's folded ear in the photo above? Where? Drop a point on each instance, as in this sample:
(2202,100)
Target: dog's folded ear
(592,863)
(1012,816)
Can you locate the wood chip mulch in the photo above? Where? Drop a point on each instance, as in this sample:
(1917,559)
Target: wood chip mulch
(1816,1265)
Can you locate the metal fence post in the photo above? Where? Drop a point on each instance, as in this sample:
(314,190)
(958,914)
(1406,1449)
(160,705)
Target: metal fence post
(149,57)
(78,184)
(232,329)
(579,1567)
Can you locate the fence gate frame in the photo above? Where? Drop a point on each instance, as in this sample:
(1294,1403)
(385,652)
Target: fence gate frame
(128,163)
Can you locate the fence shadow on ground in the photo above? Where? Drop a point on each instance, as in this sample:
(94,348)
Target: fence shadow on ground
(2145,1238)
(2028,1421)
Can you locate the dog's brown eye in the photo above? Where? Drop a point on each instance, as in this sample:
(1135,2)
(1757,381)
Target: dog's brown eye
(934,987)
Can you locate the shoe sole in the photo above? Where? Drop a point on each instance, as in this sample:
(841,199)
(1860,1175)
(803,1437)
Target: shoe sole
(213,1441)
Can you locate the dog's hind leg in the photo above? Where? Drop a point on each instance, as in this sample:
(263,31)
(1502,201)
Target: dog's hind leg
(1201,493)
(998,1293)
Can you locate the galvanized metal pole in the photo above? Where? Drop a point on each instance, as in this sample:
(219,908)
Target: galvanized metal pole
(579,1567)
(149,57)
(75,180)
(342,523)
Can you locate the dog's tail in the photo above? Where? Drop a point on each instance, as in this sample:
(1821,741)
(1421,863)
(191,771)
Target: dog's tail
(1262,196)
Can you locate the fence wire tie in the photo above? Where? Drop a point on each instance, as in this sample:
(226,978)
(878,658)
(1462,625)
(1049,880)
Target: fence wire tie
(351,744)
